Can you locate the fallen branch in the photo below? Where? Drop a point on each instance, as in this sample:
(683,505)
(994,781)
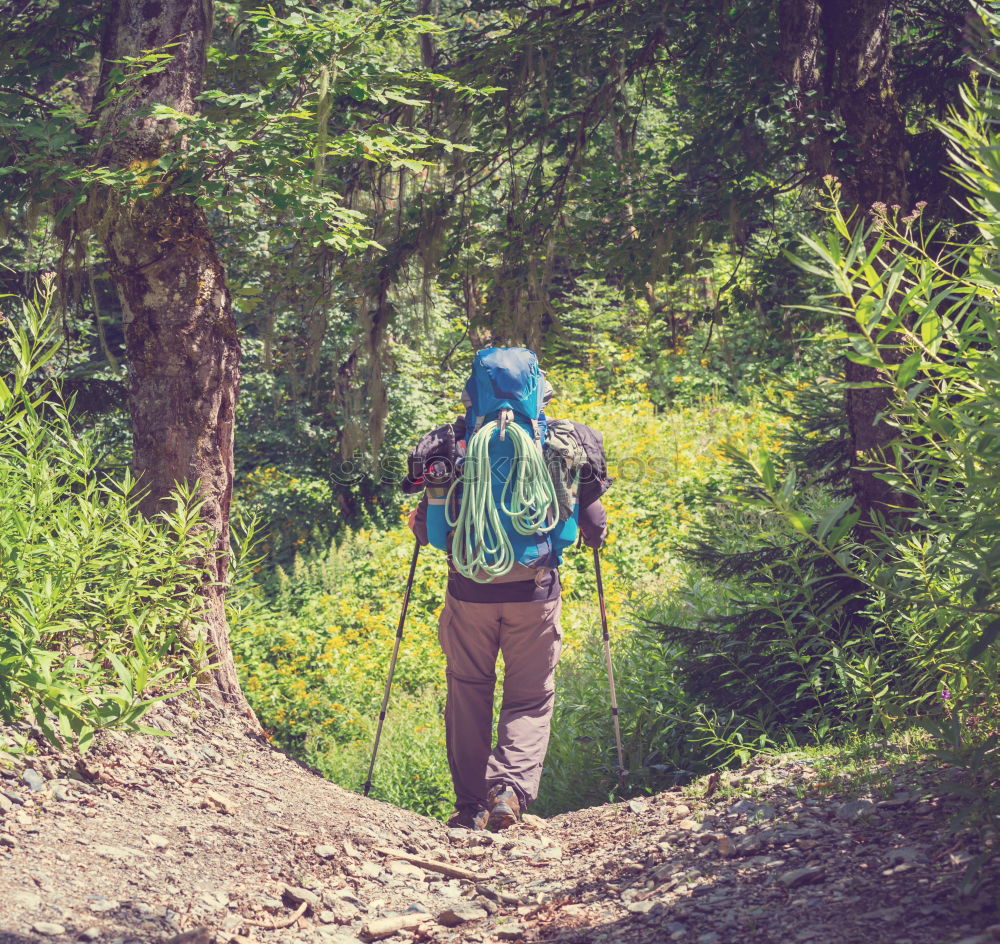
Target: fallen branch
(432,865)
(283,923)
(384,927)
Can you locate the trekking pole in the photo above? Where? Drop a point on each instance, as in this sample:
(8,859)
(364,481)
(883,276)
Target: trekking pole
(622,772)
(392,663)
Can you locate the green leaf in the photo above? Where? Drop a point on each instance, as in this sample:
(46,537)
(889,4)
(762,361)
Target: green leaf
(930,328)
(833,516)
(799,521)
(908,369)
(767,473)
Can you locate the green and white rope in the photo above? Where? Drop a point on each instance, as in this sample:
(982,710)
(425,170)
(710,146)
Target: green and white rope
(481,549)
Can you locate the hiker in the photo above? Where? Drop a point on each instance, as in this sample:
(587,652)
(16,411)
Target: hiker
(505,491)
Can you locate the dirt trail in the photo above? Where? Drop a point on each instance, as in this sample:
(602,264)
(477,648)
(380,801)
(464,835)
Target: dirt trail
(211,836)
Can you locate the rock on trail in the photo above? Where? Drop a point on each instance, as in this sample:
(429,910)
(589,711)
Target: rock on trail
(211,836)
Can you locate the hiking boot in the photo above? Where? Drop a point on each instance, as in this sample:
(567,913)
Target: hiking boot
(468,818)
(504,807)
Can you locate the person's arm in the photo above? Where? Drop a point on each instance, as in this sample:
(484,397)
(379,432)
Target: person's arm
(593,524)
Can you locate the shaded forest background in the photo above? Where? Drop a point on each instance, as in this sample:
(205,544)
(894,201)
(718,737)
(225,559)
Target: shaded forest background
(251,249)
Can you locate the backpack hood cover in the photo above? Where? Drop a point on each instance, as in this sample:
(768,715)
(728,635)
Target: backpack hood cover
(504,378)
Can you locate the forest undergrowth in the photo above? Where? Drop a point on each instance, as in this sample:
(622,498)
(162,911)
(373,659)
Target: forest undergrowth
(314,647)
(695,286)
(315,654)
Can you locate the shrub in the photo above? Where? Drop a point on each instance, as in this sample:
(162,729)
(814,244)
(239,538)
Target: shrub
(95,600)
(922,302)
(822,630)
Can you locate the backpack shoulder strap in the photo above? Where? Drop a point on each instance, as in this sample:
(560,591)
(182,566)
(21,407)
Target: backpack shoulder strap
(564,459)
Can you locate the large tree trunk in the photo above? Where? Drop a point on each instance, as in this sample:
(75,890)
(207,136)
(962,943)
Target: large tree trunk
(800,60)
(181,341)
(860,47)
(859,38)
(855,79)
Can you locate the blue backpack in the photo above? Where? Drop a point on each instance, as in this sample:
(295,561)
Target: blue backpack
(505,378)
(501,509)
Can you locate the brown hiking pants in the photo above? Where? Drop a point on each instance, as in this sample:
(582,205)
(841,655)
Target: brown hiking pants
(471,635)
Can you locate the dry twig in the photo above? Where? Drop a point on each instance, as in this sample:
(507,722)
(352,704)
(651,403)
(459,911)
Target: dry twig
(432,865)
(283,923)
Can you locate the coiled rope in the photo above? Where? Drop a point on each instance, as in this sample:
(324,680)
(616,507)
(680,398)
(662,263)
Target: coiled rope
(481,549)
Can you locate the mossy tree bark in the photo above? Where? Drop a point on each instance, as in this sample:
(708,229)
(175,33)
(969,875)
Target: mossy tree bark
(181,339)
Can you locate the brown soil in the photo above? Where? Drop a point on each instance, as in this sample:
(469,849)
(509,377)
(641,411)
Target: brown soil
(213,836)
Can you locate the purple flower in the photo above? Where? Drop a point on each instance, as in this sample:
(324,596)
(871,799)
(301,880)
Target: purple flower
(945,694)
